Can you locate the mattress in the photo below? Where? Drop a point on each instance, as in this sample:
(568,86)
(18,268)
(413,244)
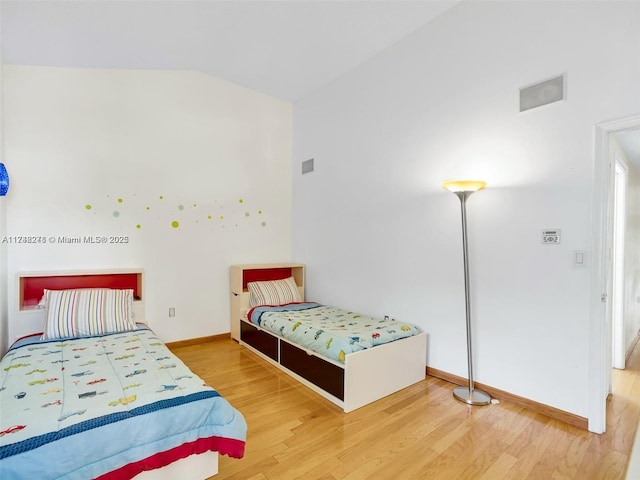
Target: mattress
(330,331)
(109,406)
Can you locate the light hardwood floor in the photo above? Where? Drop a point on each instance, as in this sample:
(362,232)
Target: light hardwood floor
(421,432)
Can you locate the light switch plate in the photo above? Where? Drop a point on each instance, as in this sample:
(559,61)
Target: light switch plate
(579,258)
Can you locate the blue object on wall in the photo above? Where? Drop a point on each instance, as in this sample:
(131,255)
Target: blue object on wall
(4,180)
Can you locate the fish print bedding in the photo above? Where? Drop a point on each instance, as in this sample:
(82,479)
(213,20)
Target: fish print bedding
(329,331)
(109,406)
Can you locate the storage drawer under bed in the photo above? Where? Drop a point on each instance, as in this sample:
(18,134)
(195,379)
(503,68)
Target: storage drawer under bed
(325,375)
(262,341)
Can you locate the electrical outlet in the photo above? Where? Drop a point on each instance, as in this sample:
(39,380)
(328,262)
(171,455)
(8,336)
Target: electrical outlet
(172,311)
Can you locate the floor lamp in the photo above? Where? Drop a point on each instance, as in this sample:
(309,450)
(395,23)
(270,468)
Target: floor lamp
(463,190)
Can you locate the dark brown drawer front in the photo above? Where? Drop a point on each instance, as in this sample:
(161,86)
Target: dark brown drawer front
(267,344)
(325,375)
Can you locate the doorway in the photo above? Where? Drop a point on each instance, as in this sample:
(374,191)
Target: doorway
(602,276)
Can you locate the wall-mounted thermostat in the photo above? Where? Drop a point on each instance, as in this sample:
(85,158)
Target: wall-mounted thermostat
(551,237)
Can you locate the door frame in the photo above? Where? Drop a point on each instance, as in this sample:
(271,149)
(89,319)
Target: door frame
(600,361)
(619,193)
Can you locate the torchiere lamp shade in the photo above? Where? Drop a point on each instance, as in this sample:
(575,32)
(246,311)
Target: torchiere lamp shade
(464,185)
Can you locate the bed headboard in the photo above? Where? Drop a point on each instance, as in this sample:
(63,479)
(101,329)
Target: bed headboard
(240,275)
(30,319)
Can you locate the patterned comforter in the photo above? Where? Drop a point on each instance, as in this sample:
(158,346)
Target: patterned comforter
(329,331)
(108,406)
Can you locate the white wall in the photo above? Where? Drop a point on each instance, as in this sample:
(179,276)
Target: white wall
(144,149)
(380,235)
(4,318)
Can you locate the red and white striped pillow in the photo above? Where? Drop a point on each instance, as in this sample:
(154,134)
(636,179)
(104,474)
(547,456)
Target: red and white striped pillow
(87,312)
(273,292)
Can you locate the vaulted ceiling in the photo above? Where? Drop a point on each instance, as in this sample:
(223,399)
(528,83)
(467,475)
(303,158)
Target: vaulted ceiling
(286,49)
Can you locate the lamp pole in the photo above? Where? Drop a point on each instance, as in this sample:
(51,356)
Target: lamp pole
(468,395)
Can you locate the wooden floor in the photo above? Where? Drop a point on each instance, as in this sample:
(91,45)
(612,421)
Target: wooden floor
(420,432)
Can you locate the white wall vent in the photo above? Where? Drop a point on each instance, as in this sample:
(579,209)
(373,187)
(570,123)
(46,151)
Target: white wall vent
(543,93)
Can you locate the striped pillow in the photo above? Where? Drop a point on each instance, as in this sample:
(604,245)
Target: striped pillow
(273,292)
(87,312)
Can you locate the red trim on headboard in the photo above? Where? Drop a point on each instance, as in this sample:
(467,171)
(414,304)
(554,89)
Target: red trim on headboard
(32,288)
(264,275)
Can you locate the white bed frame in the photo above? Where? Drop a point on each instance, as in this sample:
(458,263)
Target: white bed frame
(203,465)
(31,320)
(369,374)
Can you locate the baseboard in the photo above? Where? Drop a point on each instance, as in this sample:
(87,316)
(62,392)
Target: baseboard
(501,395)
(631,348)
(196,341)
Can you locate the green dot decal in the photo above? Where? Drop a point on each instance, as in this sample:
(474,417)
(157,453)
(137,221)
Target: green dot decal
(246,214)
(221,217)
(195,205)
(209,217)
(138,226)
(161,197)
(264,224)
(180,207)
(241,201)
(88,207)
(116,214)
(120,200)
(148,208)
(175,224)
(259,212)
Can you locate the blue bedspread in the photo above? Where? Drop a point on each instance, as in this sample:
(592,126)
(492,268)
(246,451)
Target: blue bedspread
(80,408)
(329,331)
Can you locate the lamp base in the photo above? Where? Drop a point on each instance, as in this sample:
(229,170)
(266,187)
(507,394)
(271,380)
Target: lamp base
(475,397)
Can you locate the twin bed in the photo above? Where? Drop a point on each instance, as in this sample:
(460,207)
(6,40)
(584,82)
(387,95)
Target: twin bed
(97,395)
(349,358)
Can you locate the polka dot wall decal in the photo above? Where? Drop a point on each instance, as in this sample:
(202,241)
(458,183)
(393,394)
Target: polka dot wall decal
(194,205)
(180,207)
(148,208)
(259,212)
(88,207)
(221,217)
(264,224)
(138,226)
(116,214)
(161,197)
(241,201)
(246,214)
(209,217)
(175,224)
(120,200)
